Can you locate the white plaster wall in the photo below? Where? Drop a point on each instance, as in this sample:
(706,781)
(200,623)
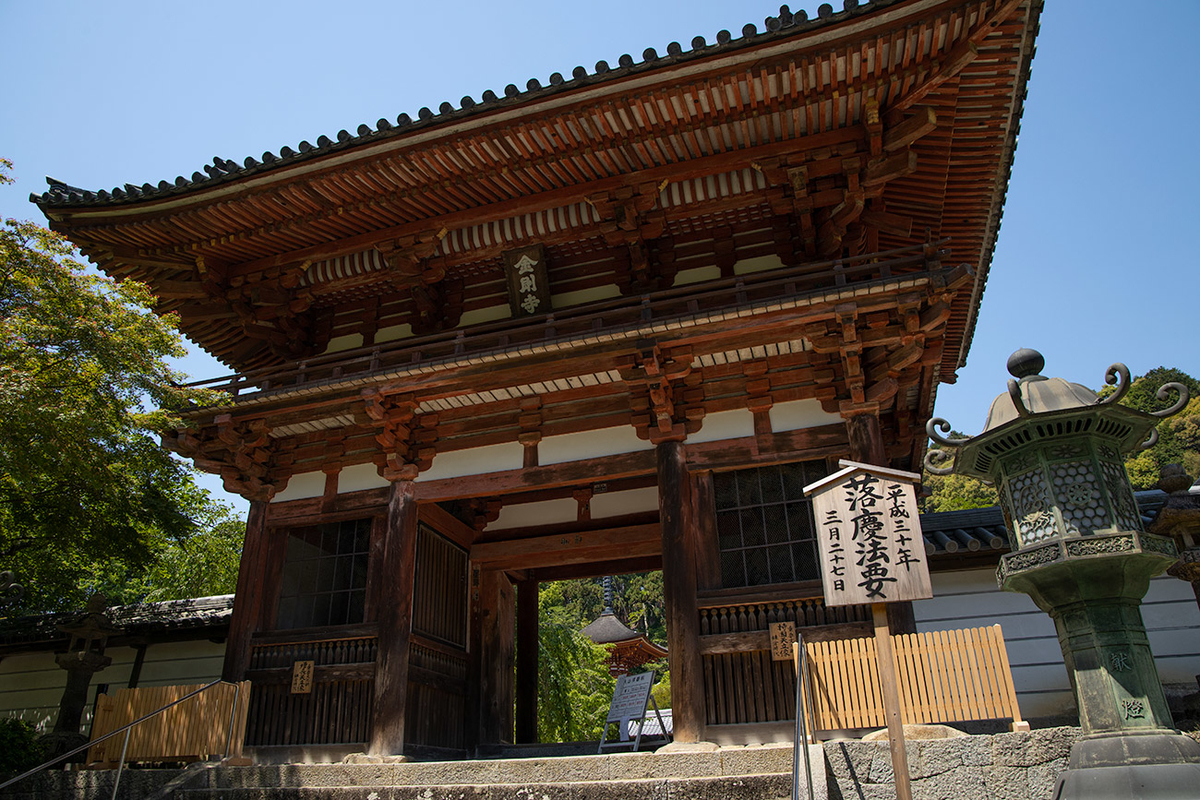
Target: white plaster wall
(590,444)
(360,477)
(530,515)
(31,685)
(392,333)
(760,264)
(595,294)
(348,342)
(302,486)
(481,315)
(616,504)
(696,275)
(476,461)
(798,414)
(970,598)
(733,424)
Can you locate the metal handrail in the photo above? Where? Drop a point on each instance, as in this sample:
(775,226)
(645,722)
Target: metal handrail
(801,737)
(129,726)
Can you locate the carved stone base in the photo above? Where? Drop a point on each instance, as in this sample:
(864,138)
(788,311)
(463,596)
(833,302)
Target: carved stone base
(1146,766)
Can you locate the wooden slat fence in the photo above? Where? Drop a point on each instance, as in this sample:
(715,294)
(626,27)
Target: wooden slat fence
(742,683)
(194,730)
(944,676)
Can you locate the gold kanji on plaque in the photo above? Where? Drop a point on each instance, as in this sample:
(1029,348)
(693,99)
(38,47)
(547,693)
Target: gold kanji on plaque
(528,281)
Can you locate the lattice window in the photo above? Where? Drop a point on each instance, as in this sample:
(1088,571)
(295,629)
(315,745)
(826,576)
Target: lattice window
(325,575)
(440,596)
(764,524)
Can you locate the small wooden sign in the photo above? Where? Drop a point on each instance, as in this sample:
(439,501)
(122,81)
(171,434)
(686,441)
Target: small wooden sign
(783,638)
(302,677)
(528,281)
(869,536)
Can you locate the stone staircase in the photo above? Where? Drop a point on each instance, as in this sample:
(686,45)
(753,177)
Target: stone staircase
(746,773)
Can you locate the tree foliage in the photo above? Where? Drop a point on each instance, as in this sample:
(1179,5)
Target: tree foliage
(86,494)
(1178,435)
(574,685)
(955,492)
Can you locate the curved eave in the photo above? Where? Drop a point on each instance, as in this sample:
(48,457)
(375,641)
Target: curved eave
(224,172)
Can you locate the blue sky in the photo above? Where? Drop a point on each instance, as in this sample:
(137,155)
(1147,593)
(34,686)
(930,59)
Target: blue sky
(1092,266)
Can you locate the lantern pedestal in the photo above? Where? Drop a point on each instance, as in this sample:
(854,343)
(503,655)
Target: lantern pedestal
(1092,587)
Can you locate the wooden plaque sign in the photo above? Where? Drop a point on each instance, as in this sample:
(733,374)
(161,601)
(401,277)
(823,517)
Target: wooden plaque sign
(528,281)
(302,677)
(869,536)
(783,636)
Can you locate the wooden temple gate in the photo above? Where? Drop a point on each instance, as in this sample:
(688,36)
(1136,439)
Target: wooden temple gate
(606,325)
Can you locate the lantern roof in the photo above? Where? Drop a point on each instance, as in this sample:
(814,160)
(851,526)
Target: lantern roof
(1036,408)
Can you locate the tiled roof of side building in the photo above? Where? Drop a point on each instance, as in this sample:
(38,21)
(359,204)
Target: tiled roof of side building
(139,619)
(982,530)
(223,170)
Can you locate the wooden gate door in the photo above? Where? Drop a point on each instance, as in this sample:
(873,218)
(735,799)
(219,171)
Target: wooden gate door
(437,665)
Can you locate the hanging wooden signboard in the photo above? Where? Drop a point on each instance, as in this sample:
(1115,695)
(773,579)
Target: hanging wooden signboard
(528,281)
(783,637)
(302,677)
(869,536)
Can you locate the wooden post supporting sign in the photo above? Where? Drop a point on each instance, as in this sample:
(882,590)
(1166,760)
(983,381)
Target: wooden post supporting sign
(870,543)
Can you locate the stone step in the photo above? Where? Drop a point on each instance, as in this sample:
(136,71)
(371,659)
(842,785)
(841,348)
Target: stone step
(743,787)
(723,762)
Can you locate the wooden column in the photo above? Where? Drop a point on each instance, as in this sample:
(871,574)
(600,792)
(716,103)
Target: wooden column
(392,571)
(527,661)
(708,550)
(679,539)
(249,596)
(866,447)
(496,646)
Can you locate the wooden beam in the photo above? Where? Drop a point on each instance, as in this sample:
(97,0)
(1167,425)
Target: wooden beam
(749,641)
(568,548)
(900,136)
(597,569)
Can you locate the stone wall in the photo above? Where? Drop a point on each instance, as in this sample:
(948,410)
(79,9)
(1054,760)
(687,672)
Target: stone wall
(1006,766)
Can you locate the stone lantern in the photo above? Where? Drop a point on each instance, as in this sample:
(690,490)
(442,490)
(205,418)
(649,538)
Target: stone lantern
(1055,452)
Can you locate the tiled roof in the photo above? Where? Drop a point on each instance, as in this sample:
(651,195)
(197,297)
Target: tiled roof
(224,170)
(131,620)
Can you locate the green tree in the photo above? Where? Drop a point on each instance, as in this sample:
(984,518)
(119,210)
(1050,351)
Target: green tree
(86,494)
(955,492)
(200,565)
(574,686)
(1178,435)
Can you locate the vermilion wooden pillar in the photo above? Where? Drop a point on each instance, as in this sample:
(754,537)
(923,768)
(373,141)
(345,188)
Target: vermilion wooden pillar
(392,572)
(249,597)
(866,447)
(680,545)
(527,661)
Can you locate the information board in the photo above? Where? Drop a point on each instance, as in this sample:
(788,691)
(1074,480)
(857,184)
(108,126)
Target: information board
(869,536)
(630,697)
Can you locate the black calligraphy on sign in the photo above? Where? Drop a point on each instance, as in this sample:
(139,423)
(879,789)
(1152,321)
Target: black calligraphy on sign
(835,553)
(870,540)
(869,537)
(901,518)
